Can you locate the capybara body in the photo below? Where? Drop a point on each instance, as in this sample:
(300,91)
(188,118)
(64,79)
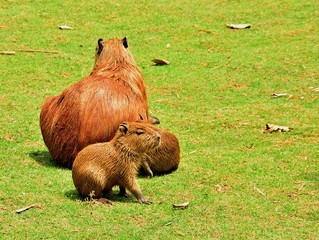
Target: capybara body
(91,110)
(163,159)
(99,167)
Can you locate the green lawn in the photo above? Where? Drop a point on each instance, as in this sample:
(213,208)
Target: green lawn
(215,96)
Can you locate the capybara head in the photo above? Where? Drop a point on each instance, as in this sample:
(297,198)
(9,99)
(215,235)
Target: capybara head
(137,137)
(113,50)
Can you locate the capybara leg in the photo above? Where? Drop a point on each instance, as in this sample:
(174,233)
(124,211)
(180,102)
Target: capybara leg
(123,192)
(105,201)
(134,188)
(146,167)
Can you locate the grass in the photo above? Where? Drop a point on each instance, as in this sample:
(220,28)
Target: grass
(215,96)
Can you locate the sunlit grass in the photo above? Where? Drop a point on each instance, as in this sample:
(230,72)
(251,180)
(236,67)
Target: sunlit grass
(215,96)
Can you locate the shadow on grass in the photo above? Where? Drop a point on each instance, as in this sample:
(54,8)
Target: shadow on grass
(114,197)
(43,158)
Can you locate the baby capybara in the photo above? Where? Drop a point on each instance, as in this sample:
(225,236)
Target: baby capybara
(166,157)
(163,159)
(114,92)
(99,167)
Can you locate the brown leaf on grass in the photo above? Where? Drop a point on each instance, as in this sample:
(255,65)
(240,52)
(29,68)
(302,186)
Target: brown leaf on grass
(207,31)
(65,28)
(238,26)
(279,95)
(275,128)
(181,205)
(295,97)
(292,195)
(160,62)
(222,188)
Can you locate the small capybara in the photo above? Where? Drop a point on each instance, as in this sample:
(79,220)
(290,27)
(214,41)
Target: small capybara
(99,167)
(114,92)
(163,159)
(166,157)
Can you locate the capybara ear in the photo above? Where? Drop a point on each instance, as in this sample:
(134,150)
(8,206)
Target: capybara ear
(154,120)
(99,42)
(124,41)
(123,128)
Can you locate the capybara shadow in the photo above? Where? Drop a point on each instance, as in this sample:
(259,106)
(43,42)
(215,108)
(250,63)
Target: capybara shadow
(91,110)
(114,196)
(43,158)
(101,166)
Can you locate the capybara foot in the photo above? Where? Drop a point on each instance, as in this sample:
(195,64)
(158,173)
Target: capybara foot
(105,201)
(144,201)
(126,195)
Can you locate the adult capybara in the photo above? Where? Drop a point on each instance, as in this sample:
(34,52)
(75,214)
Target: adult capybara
(99,167)
(163,159)
(91,110)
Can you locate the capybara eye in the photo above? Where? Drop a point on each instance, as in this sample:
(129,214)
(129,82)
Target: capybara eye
(139,132)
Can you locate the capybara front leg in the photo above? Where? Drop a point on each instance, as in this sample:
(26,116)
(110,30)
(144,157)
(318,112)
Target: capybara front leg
(146,167)
(134,188)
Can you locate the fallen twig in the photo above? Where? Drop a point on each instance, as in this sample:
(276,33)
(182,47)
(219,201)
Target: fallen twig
(25,208)
(192,152)
(259,191)
(37,51)
(7,52)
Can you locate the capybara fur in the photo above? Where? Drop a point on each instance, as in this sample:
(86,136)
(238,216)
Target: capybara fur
(91,110)
(99,167)
(165,158)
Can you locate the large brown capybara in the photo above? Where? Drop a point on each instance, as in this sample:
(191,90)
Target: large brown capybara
(99,167)
(91,110)
(165,158)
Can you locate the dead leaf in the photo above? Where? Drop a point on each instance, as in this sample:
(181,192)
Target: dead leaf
(181,205)
(160,62)
(275,128)
(238,26)
(279,95)
(292,195)
(65,28)
(207,31)
(295,97)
